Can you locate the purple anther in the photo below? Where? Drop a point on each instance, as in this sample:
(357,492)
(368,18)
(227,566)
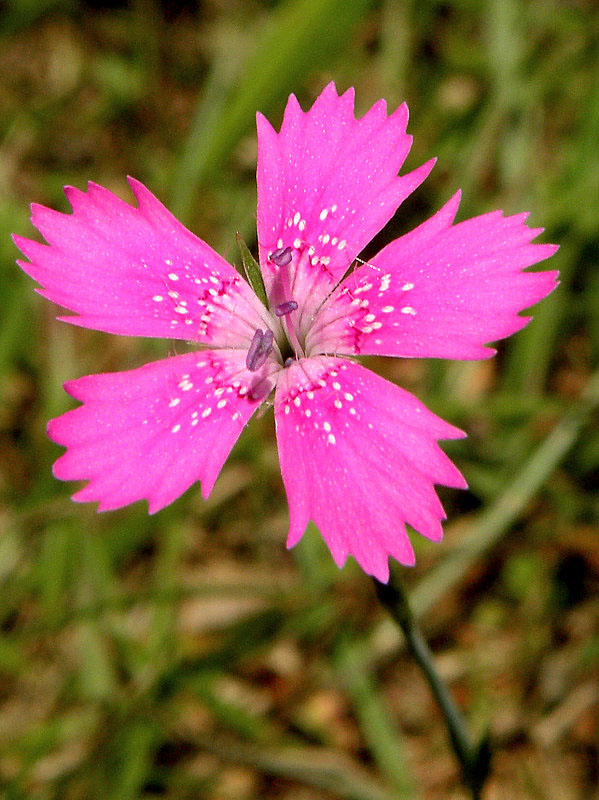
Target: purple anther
(281,257)
(261,389)
(285,308)
(259,349)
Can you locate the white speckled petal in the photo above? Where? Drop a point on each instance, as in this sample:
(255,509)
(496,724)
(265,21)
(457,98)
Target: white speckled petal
(440,291)
(359,456)
(152,432)
(327,183)
(138,271)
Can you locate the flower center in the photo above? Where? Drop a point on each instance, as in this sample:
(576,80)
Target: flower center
(282,257)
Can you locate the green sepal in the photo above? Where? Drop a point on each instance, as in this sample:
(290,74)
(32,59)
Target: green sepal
(252,270)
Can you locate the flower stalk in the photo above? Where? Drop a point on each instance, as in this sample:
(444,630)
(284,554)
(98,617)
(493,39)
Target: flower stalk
(474,759)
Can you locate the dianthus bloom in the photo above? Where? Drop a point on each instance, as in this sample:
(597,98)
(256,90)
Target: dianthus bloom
(359,456)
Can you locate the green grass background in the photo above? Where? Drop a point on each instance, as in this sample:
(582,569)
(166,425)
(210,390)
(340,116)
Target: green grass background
(189,655)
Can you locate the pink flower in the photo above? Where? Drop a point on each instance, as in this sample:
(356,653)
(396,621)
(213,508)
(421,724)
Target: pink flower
(359,455)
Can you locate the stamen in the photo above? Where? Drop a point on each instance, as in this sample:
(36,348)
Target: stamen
(261,389)
(281,257)
(285,308)
(259,348)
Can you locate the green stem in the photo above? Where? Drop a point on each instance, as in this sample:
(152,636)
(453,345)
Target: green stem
(474,759)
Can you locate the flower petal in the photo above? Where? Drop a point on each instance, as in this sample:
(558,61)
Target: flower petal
(327,183)
(138,271)
(153,431)
(359,456)
(441,291)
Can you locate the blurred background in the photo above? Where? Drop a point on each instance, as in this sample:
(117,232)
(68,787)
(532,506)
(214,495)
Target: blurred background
(189,654)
